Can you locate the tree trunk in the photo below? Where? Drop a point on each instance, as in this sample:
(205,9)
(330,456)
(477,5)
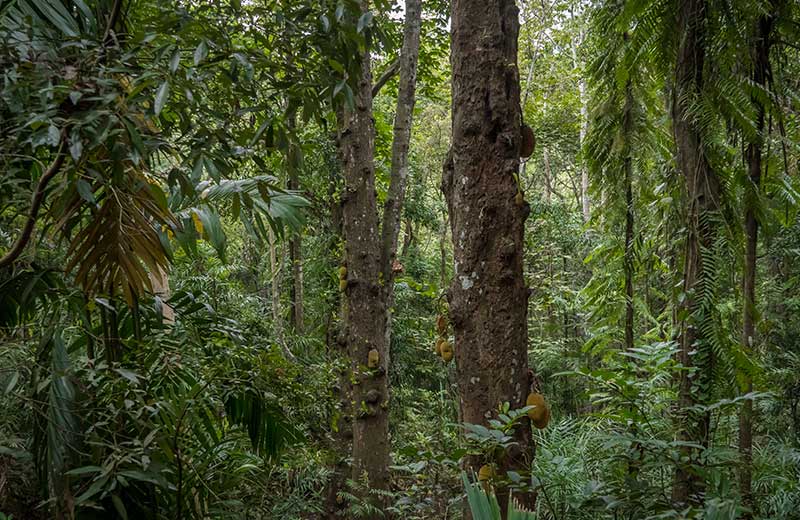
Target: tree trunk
(582,132)
(488,296)
(760,51)
(296,240)
(702,192)
(276,269)
(369,255)
(627,129)
(393,208)
(548,176)
(365,317)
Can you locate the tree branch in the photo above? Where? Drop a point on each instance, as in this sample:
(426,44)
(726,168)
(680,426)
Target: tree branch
(36,202)
(388,74)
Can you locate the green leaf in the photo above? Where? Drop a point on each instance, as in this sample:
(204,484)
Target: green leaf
(85,191)
(364,21)
(200,53)
(84,470)
(161,97)
(175,61)
(119,506)
(12,382)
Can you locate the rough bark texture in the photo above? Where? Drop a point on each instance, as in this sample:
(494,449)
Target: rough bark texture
(488,297)
(366,309)
(760,51)
(702,193)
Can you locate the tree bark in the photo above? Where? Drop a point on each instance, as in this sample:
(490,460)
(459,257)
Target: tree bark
(393,208)
(369,255)
(584,201)
(364,329)
(702,193)
(276,269)
(627,129)
(488,296)
(296,240)
(753,153)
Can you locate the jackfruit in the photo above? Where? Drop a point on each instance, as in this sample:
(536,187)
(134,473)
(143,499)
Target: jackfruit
(446,351)
(540,413)
(373,358)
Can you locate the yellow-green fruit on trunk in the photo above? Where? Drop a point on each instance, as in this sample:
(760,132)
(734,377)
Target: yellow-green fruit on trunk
(544,421)
(540,413)
(441,324)
(447,351)
(486,473)
(373,358)
(342,273)
(438,346)
(539,406)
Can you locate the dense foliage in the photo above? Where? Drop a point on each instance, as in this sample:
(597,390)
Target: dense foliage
(172,293)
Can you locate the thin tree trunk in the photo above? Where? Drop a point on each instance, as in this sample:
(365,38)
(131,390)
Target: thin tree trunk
(627,129)
(403,119)
(760,50)
(548,175)
(275,296)
(296,240)
(488,296)
(408,238)
(582,132)
(342,434)
(702,193)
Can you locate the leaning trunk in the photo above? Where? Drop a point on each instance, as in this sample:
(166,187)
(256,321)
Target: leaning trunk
(488,296)
(702,193)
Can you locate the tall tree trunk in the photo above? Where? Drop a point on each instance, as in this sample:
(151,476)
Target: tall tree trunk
(369,255)
(760,52)
(364,329)
(702,193)
(582,132)
(488,296)
(296,240)
(627,129)
(393,208)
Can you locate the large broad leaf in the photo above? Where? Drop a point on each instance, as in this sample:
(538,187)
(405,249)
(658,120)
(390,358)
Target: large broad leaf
(209,226)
